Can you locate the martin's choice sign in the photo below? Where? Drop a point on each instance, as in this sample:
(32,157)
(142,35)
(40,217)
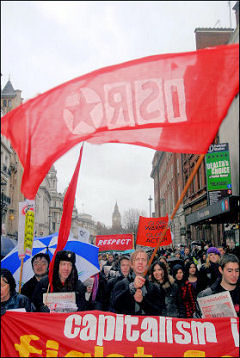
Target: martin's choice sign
(105,334)
(218,172)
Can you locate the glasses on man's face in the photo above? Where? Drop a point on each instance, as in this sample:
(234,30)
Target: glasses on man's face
(40,263)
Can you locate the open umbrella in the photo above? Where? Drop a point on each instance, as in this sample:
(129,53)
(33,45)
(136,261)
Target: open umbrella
(86,257)
(7,244)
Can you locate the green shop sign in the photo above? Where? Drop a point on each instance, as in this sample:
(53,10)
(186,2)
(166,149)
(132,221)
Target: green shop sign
(218,170)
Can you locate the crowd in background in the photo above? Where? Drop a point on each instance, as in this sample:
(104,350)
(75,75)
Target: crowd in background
(126,284)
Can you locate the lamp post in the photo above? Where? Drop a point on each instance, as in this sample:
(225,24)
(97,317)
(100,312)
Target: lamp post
(150,206)
(49,224)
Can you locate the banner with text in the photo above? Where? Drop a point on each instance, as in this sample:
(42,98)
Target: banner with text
(121,242)
(150,230)
(105,334)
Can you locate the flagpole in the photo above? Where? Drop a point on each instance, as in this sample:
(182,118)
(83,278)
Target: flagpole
(20,279)
(190,179)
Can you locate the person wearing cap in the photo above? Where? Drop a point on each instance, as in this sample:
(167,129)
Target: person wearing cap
(210,270)
(65,279)
(10,299)
(40,265)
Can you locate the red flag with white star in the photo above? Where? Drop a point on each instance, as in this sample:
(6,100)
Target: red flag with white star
(171,102)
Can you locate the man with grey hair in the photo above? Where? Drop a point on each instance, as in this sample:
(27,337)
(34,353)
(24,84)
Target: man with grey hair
(135,294)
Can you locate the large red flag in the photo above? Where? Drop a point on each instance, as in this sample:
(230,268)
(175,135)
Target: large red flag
(66,219)
(171,102)
(150,231)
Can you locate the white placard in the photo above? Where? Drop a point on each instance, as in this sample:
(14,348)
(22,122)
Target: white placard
(217,305)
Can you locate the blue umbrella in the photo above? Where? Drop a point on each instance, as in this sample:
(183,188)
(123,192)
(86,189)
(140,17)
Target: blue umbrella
(7,244)
(86,257)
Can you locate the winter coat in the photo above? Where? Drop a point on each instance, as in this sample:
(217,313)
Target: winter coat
(17,301)
(210,274)
(217,288)
(122,298)
(174,306)
(42,287)
(29,287)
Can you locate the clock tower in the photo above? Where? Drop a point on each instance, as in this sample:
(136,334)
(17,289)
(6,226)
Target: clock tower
(116,218)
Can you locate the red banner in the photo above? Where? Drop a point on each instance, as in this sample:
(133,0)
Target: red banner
(105,334)
(150,230)
(170,102)
(121,242)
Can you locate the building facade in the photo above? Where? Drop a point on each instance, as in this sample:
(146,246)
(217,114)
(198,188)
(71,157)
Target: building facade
(195,219)
(11,168)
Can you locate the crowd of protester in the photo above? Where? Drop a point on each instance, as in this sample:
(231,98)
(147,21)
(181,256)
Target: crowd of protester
(127,285)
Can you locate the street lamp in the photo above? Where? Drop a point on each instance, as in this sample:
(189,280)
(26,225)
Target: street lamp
(150,206)
(49,222)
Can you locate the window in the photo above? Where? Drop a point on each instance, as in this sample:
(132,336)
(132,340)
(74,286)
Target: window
(10,103)
(4,103)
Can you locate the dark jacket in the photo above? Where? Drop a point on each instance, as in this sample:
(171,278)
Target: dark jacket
(174,306)
(29,287)
(42,287)
(122,298)
(217,288)
(17,301)
(210,273)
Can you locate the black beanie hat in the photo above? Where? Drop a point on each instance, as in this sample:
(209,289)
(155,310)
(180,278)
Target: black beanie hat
(65,256)
(5,273)
(41,254)
(176,268)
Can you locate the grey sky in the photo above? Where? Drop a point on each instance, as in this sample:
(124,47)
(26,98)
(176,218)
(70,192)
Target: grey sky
(46,43)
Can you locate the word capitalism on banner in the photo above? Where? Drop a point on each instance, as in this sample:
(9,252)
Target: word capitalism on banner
(101,334)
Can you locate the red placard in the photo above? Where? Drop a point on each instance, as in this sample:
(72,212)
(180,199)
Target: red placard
(121,242)
(150,230)
(105,334)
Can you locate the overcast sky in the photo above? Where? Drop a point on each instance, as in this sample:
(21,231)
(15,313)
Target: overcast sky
(46,43)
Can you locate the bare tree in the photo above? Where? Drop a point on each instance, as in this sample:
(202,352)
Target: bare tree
(130,220)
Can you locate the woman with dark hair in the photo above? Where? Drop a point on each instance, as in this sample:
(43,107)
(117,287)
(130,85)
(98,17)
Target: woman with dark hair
(186,290)
(65,279)
(192,275)
(10,299)
(174,306)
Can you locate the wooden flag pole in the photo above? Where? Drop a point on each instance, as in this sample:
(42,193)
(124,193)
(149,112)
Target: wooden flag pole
(20,279)
(190,179)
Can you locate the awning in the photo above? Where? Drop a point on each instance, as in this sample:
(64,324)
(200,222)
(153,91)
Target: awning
(226,210)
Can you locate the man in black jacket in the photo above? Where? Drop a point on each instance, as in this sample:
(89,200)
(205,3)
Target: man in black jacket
(229,269)
(65,279)
(136,294)
(40,265)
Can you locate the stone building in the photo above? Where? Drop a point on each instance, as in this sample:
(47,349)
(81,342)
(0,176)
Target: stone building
(11,168)
(195,219)
(168,184)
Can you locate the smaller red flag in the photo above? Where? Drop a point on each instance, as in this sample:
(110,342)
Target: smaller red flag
(150,230)
(66,219)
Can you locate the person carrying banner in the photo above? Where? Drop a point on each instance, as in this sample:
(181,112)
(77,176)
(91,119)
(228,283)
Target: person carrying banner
(229,281)
(65,279)
(10,299)
(40,264)
(136,294)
